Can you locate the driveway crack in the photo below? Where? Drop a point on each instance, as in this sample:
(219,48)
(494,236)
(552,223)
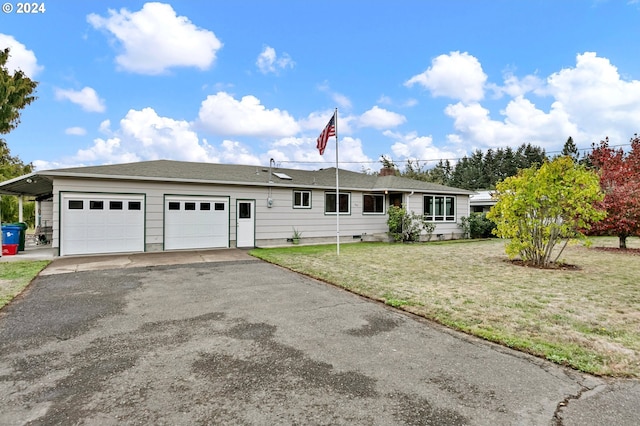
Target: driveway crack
(557,415)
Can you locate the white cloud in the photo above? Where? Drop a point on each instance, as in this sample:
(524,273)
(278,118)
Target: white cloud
(410,146)
(317,120)
(155,39)
(234,152)
(269,62)
(105,127)
(456,75)
(303,154)
(380,118)
(514,86)
(341,100)
(154,137)
(595,96)
(105,152)
(144,135)
(76,131)
(386,100)
(87,98)
(522,123)
(588,102)
(223,114)
(20,58)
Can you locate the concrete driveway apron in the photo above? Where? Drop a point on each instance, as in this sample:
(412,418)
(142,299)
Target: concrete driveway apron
(241,341)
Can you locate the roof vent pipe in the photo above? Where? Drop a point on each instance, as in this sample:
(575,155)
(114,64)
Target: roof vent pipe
(270,195)
(272,162)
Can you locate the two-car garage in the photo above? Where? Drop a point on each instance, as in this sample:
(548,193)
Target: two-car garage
(95,223)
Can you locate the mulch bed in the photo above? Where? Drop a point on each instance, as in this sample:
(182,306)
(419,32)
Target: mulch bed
(552,266)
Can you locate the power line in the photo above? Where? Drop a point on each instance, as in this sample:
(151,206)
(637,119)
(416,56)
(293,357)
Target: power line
(584,150)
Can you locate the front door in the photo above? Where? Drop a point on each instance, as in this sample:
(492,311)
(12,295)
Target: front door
(245,223)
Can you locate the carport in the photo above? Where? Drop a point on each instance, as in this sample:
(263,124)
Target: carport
(33,185)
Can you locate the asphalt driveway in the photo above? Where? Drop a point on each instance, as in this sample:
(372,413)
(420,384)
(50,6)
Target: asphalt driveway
(246,342)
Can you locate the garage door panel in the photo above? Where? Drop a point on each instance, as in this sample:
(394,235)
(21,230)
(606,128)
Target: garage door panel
(112,228)
(196,222)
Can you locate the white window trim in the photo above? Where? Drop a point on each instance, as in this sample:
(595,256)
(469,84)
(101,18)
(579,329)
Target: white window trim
(347,213)
(302,191)
(443,218)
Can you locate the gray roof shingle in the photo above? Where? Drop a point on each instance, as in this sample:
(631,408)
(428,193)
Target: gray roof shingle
(169,170)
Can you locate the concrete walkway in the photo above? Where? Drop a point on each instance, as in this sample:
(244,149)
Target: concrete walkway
(69,264)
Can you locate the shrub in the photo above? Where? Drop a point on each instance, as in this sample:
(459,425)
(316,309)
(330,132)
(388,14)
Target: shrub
(539,208)
(477,226)
(407,226)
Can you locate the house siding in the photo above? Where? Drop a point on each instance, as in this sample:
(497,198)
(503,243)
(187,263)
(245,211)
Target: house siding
(443,230)
(273,225)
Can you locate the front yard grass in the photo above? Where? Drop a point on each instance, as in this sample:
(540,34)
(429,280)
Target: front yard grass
(15,276)
(586,317)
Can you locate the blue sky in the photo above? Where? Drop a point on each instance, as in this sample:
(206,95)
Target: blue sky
(245,81)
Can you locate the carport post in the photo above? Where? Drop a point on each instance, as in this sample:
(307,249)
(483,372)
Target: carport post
(20,215)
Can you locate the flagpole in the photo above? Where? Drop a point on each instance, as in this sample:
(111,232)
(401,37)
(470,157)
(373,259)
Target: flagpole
(337,190)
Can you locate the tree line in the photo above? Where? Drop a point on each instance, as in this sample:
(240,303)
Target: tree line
(482,169)
(615,207)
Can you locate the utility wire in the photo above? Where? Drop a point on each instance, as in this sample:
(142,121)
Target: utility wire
(583,150)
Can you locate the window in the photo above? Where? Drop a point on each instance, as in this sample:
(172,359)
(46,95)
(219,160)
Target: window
(244,211)
(439,208)
(189,206)
(330,203)
(301,199)
(96,205)
(115,205)
(174,205)
(205,206)
(373,203)
(76,204)
(219,206)
(135,205)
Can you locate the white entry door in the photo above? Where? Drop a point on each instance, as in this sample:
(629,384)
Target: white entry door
(245,223)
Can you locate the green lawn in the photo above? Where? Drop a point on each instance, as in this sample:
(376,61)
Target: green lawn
(586,317)
(15,276)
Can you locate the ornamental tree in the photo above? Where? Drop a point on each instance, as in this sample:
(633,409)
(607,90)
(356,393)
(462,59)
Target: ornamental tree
(538,208)
(620,181)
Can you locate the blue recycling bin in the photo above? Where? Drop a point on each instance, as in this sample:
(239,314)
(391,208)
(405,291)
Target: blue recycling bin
(11,234)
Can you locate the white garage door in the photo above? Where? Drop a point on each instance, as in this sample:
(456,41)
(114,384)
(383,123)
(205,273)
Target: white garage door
(196,222)
(101,223)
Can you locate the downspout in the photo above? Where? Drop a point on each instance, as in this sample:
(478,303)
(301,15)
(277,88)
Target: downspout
(407,208)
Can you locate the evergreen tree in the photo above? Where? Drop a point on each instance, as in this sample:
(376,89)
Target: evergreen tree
(570,150)
(441,173)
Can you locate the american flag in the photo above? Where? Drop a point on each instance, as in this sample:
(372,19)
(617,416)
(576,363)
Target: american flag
(329,130)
